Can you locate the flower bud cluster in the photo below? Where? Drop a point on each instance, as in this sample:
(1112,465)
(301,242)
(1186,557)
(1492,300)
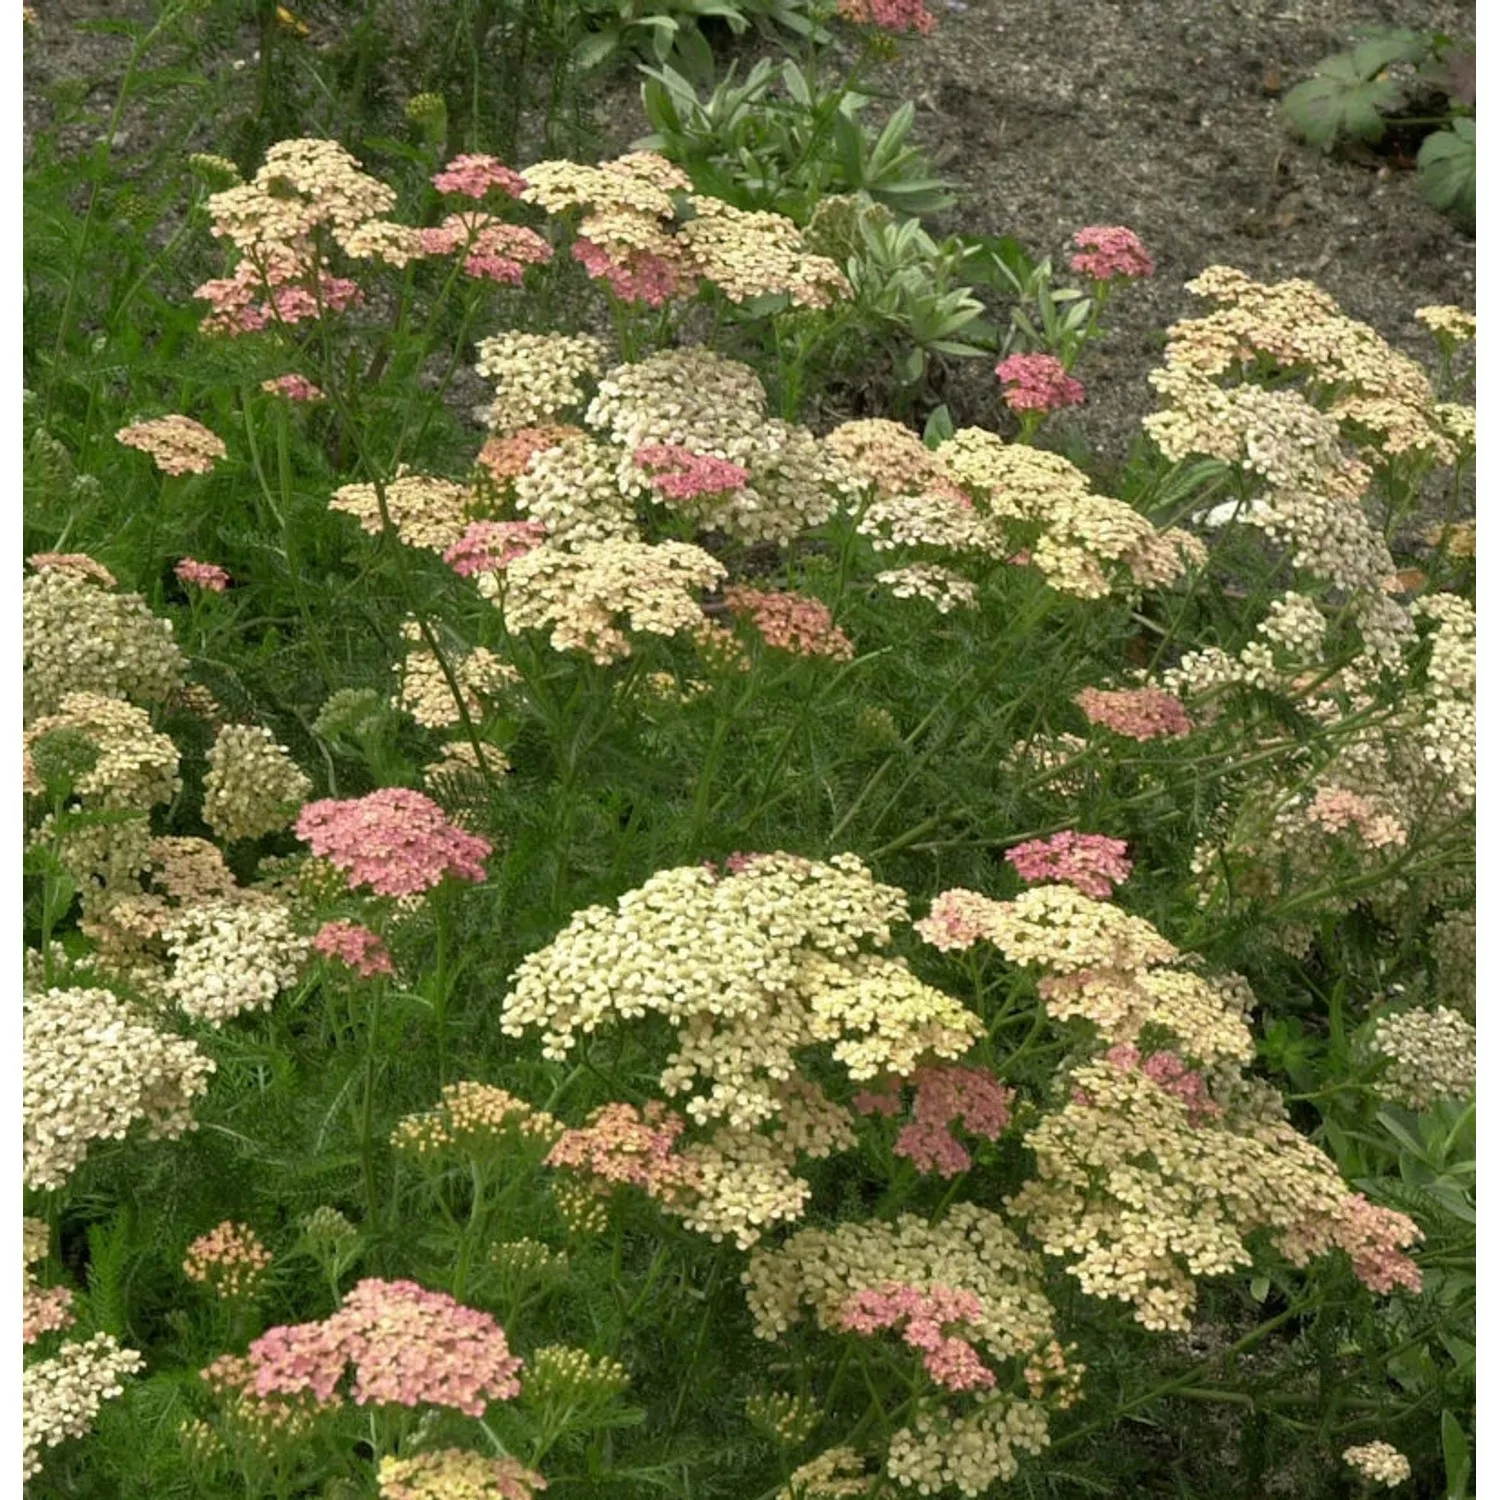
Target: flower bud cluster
(1430,1055)
(230,1259)
(252,786)
(472,1118)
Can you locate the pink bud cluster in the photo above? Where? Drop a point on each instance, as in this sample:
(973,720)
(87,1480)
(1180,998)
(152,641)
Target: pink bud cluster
(395,840)
(791,622)
(680,474)
(945,1095)
(208,576)
(488,546)
(355,946)
(474,175)
(1037,382)
(1089,862)
(408,1346)
(293,387)
(1139,713)
(949,1358)
(1107,252)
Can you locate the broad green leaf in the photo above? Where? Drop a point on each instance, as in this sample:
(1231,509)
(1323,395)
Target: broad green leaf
(1340,101)
(1446,167)
(1457,1460)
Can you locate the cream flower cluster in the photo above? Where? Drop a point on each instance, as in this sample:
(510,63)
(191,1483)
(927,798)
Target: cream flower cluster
(93,1068)
(424,692)
(230,956)
(835,1474)
(1380,1462)
(426,511)
(973,1251)
(750,969)
(537,376)
(472,1118)
(1430,1055)
(252,786)
(61,1396)
(80,637)
(938,585)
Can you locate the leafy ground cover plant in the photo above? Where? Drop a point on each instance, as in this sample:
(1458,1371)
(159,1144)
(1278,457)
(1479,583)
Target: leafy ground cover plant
(585,934)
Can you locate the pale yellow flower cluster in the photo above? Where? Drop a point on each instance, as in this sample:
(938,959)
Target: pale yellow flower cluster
(424,692)
(456,775)
(135,768)
(426,511)
(303,185)
(61,1396)
(537,376)
(972,1250)
(1379,1462)
(750,969)
(94,1067)
(892,459)
(1430,1054)
(471,1116)
(1081,540)
(582,593)
(252,786)
(938,585)
(1454,322)
(80,637)
(581,490)
(835,1474)
(749,255)
(231,955)
(1448,723)
(1283,658)
(691,397)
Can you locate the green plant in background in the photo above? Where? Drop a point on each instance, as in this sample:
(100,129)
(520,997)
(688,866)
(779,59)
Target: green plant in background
(671,30)
(1415,81)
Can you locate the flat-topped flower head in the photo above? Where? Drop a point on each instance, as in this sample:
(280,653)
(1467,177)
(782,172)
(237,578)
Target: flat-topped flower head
(1139,713)
(1089,862)
(73,562)
(177,443)
(208,576)
(1110,252)
(354,946)
(791,622)
(456,1474)
(1037,382)
(475,174)
(1379,1462)
(680,474)
(890,15)
(395,840)
(487,546)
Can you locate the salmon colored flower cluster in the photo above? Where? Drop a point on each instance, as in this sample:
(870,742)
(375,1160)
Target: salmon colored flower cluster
(474,175)
(487,546)
(791,622)
(949,1358)
(1110,252)
(177,443)
(680,474)
(355,946)
(1139,713)
(230,1258)
(408,1346)
(890,15)
(622,1144)
(1037,382)
(208,576)
(395,840)
(1089,862)
(294,387)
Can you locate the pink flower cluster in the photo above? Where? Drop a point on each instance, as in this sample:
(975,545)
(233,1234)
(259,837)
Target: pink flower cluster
(957,919)
(1106,252)
(293,387)
(950,1359)
(890,15)
(281,287)
(474,175)
(791,622)
(408,1346)
(487,546)
(680,474)
(644,278)
(1372,1237)
(208,576)
(945,1095)
(492,249)
(1140,713)
(45,1310)
(624,1145)
(395,840)
(355,946)
(1037,382)
(1171,1075)
(1089,862)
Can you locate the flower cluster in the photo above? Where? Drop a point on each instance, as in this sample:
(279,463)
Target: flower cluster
(43,1309)
(79,637)
(536,376)
(230,1258)
(890,15)
(230,956)
(474,175)
(93,1068)
(209,576)
(293,386)
(1430,1055)
(489,546)
(1037,382)
(408,1346)
(450,1473)
(424,510)
(582,592)
(177,443)
(945,1095)
(949,1358)
(561,1373)
(424,691)
(61,1396)
(835,1474)
(1138,713)
(472,1117)
(394,840)
(252,786)
(1089,862)
(938,585)
(1379,1462)
(624,1145)
(1450,322)
(750,969)
(354,946)
(1110,252)
(791,622)
(680,474)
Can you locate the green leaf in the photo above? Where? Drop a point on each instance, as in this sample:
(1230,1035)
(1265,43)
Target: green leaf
(1446,167)
(1340,100)
(596,48)
(1457,1461)
(939,426)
